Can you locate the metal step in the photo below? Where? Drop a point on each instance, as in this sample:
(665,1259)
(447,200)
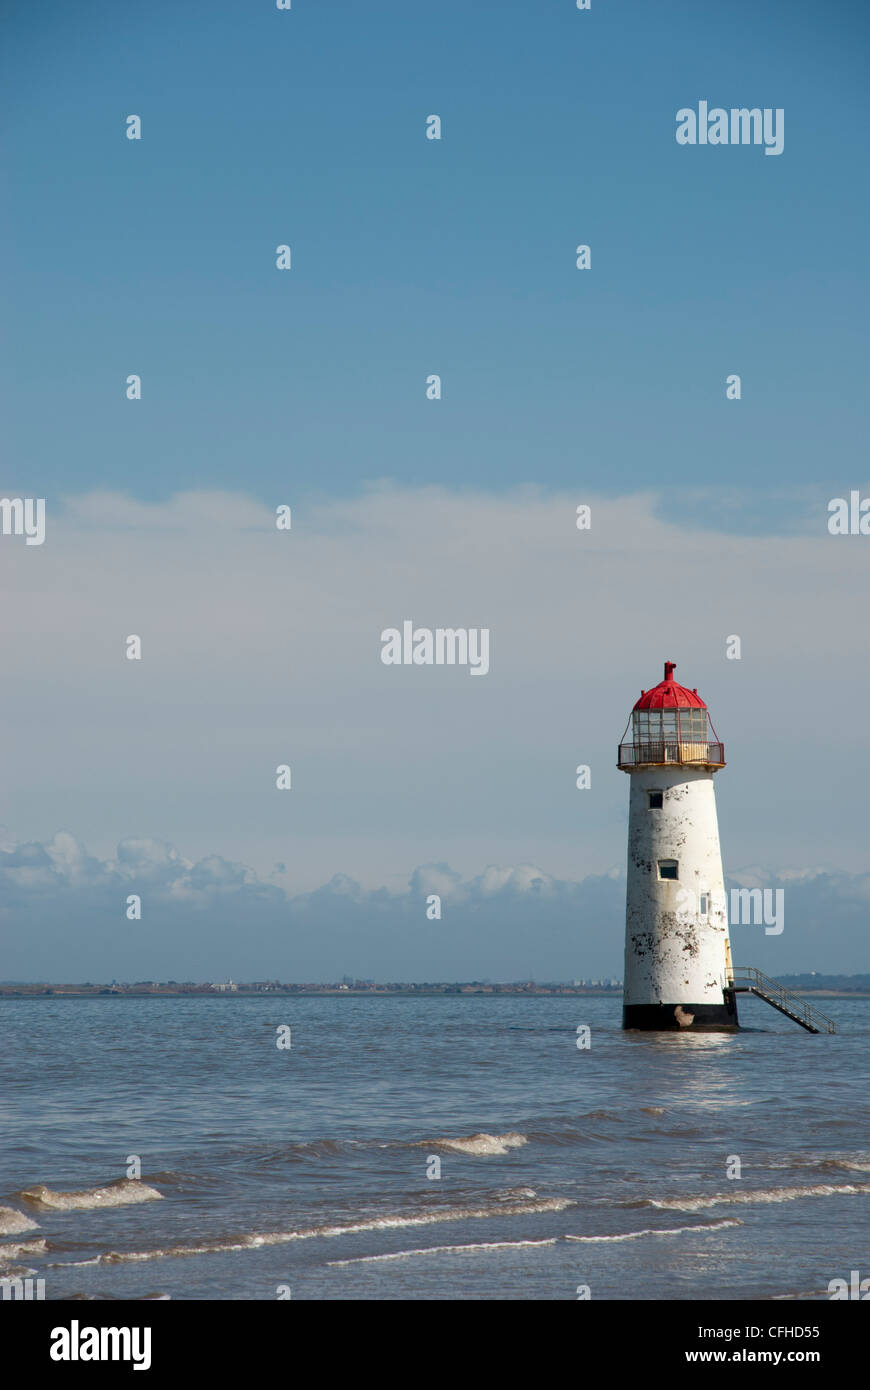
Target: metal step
(748,980)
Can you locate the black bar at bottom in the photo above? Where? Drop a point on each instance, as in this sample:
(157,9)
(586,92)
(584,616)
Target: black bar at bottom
(249,1339)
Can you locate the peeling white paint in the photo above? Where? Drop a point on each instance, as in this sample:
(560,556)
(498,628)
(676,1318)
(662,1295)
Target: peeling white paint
(673,954)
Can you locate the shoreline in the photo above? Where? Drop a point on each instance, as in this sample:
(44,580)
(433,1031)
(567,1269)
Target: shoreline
(321,991)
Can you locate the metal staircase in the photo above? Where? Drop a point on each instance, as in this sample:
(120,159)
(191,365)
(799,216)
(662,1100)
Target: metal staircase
(748,980)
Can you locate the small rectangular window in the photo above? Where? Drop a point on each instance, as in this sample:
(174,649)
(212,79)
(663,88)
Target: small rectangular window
(704,904)
(655,800)
(668,868)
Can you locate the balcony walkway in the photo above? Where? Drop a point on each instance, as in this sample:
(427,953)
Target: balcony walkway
(670,754)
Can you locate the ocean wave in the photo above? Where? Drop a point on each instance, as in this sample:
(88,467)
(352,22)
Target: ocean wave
(758,1197)
(839,1165)
(479,1145)
(171,1178)
(315,1148)
(256,1241)
(600,1126)
(664,1231)
(443,1250)
(12,1221)
(14,1251)
(830,1163)
(116,1194)
(801,1295)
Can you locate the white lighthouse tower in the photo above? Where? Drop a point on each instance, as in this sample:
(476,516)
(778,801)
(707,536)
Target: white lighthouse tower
(678,971)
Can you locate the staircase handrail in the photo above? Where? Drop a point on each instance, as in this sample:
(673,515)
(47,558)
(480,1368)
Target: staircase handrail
(810,1013)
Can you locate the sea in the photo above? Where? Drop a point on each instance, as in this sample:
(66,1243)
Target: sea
(427,1147)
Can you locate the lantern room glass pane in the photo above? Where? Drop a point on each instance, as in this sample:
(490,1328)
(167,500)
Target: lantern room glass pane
(670,725)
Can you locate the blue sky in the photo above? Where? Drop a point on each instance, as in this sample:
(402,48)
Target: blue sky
(605,386)
(412,256)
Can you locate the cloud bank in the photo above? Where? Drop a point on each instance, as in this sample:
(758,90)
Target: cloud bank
(64,919)
(262,648)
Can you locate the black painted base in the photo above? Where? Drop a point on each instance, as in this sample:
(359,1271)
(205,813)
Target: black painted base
(684,1018)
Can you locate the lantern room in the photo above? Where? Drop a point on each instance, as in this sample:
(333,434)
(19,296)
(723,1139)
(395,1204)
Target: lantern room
(670,726)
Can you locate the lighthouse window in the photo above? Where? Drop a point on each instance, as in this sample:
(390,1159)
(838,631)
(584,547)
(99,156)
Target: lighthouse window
(655,800)
(704,904)
(668,868)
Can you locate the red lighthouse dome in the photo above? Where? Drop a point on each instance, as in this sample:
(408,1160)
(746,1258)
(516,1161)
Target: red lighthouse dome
(670,724)
(668,695)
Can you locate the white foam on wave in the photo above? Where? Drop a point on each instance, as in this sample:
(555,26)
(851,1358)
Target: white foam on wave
(378,1223)
(443,1250)
(12,1221)
(115,1194)
(760,1197)
(481,1145)
(665,1231)
(25,1247)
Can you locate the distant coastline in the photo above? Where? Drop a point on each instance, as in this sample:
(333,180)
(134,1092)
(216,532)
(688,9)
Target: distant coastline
(171,988)
(848,986)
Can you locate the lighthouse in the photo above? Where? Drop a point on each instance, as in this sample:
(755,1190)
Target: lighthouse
(678,972)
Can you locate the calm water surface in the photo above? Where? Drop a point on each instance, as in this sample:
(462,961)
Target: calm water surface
(309,1168)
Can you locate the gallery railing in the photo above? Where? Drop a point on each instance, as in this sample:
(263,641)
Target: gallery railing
(670,752)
